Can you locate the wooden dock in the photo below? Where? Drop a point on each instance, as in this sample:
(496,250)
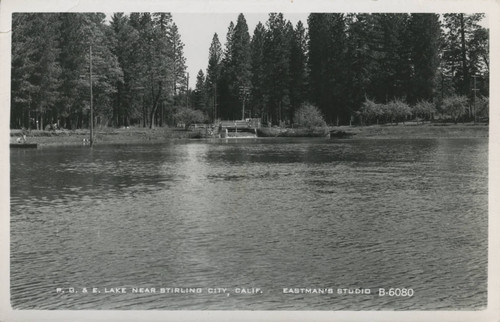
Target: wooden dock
(24,145)
(238,127)
(248,125)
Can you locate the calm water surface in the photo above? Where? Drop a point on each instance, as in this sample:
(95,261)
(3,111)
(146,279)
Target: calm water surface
(257,213)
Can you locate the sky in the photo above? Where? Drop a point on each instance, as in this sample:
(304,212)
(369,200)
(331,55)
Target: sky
(197,31)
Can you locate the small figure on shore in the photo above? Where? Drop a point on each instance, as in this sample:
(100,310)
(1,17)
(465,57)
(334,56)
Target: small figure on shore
(21,139)
(23,132)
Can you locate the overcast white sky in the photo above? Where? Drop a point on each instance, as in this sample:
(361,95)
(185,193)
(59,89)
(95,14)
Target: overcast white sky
(197,30)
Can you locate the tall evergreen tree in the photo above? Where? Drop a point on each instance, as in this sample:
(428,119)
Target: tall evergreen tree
(235,73)
(228,51)
(257,97)
(152,68)
(298,68)
(163,23)
(213,73)
(200,94)
(74,58)
(391,46)
(277,68)
(179,61)
(80,31)
(327,59)
(460,32)
(425,35)
(224,85)
(125,105)
(360,61)
(106,69)
(35,69)
(239,65)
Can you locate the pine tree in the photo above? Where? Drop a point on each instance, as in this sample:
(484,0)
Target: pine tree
(148,77)
(425,35)
(298,68)
(225,86)
(228,51)
(199,94)
(257,97)
(35,69)
(213,73)
(75,43)
(179,61)
(239,65)
(162,24)
(277,68)
(327,60)
(360,62)
(391,50)
(235,75)
(107,73)
(124,37)
(460,30)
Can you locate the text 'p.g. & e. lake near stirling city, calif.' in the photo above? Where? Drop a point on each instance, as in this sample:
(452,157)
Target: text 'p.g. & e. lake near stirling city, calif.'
(252,161)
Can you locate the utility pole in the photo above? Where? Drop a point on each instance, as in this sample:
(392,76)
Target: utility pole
(91,105)
(29,111)
(243,111)
(244,91)
(442,87)
(475,97)
(215,102)
(187,91)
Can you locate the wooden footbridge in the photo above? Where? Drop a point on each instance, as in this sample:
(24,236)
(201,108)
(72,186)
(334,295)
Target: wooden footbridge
(232,128)
(248,125)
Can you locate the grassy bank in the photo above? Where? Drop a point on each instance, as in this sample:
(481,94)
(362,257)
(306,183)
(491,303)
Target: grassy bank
(142,135)
(287,132)
(108,135)
(409,131)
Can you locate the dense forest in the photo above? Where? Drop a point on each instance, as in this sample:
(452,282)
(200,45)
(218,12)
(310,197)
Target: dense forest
(350,66)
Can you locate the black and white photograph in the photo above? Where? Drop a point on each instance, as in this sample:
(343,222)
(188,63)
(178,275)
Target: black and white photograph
(281,161)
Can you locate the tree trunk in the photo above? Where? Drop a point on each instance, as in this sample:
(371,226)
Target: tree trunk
(155,106)
(464,56)
(143,113)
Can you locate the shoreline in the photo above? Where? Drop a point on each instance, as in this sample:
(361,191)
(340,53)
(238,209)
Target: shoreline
(159,135)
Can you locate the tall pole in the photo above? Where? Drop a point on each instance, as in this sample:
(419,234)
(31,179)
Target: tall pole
(187,91)
(243,95)
(215,102)
(442,87)
(91,99)
(243,111)
(475,97)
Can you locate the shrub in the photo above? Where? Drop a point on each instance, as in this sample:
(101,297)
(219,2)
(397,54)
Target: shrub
(455,106)
(424,109)
(482,107)
(397,110)
(188,116)
(309,116)
(371,110)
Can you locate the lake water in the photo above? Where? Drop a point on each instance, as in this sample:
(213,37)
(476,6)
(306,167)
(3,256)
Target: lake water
(272,214)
